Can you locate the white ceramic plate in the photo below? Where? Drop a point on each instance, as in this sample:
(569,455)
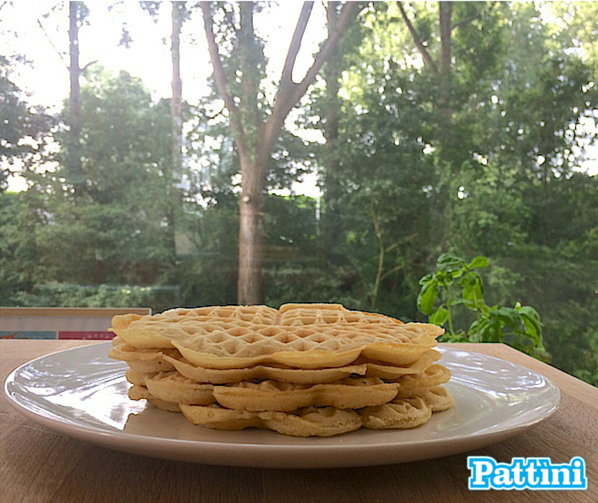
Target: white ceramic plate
(82,393)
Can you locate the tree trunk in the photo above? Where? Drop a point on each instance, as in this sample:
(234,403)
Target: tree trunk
(73,151)
(176,110)
(254,169)
(331,218)
(176,118)
(446,143)
(249,288)
(448,146)
(445,15)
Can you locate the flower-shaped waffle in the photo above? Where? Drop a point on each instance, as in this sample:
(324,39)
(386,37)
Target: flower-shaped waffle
(308,336)
(401,413)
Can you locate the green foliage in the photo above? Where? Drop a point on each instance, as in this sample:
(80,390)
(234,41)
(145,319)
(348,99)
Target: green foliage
(117,223)
(576,23)
(458,283)
(22,127)
(18,249)
(67,294)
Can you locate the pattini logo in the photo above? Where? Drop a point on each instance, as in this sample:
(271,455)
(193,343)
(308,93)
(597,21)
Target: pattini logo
(526,473)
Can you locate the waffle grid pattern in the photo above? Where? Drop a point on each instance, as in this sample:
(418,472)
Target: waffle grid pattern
(259,331)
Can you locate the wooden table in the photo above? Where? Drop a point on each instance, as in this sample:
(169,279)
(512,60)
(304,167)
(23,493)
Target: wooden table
(39,465)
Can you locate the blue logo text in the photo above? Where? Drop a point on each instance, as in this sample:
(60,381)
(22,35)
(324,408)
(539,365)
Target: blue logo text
(526,473)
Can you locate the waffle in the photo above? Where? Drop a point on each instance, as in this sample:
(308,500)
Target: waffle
(433,376)
(438,399)
(322,421)
(298,335)
(308,422)
(159,360)
(137,378)
(302,370)
(401,413)
(143,360)
(350,393)
(263,372)
(347,393)
(300,376)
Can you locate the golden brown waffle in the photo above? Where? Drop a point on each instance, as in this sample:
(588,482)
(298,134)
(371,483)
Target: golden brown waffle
(262,372)
(173,387)
(438,399)
(143,360)
(401,413)
(320,346)
(303,370)
(349,393)
(300,376)
(128,353)
(433,376)
(308,422)
(137,378)
(138,392)
(393,372)
(297,335)
(327,314)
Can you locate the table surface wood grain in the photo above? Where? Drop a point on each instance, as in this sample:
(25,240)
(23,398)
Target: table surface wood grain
(39,465)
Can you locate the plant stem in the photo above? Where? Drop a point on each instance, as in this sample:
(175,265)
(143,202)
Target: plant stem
(448,308)
(478,311)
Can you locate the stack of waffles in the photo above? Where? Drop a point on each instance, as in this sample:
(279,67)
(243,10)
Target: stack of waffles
(301,370)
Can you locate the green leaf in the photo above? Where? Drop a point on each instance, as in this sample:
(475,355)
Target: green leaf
(427,297)
(510,317)
(457,273)
(530,317)
(448,262)
(479,263)
(489,328)
(472,292)
(428,278)
(474,332)
(439,316)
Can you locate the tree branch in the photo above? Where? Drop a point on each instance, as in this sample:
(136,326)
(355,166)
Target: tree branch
(66,65)
(220,77)
(381,256)
(289,64)
(289,93)
(390,272)
(346,15)
(417,41)
(445,13)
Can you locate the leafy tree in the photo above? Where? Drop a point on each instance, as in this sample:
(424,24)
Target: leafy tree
(576,23)
(115,225)
(23,128)
(255,125)
(473,167)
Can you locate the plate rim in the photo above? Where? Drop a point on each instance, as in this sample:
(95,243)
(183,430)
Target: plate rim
(202,451)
